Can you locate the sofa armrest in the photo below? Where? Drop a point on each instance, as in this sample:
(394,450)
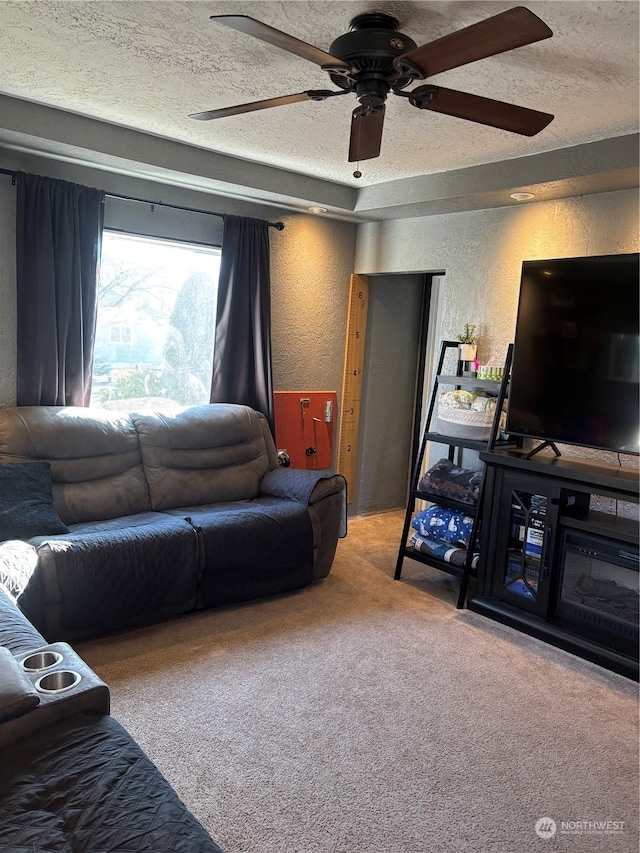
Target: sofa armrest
(307,487)
(325,496)
(16,631)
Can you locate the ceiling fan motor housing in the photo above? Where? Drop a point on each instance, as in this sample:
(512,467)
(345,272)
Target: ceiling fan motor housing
(370,47)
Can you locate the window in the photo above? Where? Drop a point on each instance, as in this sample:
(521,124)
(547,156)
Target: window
(120,334)
(156,322)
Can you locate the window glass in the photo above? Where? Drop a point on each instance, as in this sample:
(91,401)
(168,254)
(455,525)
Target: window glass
(156,321)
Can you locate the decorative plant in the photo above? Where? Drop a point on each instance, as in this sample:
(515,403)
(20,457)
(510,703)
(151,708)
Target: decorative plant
(468,336)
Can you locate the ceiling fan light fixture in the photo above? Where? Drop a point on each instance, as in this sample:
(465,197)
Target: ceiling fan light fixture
(522,196)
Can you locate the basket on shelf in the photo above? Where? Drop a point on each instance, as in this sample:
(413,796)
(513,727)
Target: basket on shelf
(466,423)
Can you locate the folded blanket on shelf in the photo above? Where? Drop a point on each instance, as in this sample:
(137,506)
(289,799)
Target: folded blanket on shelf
(454,556)
(444,525)
(451,481)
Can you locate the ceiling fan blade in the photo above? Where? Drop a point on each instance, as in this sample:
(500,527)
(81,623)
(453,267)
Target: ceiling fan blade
(252,107)
(506,31)
(366,135)
(481,110)
(252,27)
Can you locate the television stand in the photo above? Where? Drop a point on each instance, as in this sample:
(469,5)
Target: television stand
(553,564)
(542,447)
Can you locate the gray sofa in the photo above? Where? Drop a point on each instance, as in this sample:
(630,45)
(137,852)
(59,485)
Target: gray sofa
(167,512)
(72,777)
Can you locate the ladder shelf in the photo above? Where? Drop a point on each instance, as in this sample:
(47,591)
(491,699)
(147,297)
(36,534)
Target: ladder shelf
(493,387)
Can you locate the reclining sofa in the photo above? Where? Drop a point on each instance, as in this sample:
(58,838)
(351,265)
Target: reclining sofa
(72,777)
(161,513)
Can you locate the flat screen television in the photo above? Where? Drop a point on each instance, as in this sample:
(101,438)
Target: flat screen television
(575,373)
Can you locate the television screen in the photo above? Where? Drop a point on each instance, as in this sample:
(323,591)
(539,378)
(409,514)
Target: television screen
(575,374)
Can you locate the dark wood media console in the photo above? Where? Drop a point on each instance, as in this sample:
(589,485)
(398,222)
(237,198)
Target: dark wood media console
(554,566)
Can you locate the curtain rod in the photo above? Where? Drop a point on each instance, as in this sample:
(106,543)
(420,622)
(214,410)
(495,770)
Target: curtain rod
(279,226)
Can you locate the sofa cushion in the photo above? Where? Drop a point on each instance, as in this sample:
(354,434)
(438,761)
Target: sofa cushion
(94,454)
(26,501)
(84,784)
(202,454)
(107,575)
(253,548)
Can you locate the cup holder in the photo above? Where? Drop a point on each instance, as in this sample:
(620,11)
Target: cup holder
(39,661)
(57,682)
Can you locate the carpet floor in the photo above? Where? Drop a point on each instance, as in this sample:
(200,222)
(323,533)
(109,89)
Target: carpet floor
(365,715)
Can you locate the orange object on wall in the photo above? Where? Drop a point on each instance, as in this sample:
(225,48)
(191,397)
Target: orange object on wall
(305,424)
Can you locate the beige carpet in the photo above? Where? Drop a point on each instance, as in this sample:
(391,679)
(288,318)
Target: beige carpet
(364,714)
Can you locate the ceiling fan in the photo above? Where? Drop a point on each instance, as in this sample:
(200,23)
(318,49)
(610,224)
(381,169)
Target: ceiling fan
(373,59)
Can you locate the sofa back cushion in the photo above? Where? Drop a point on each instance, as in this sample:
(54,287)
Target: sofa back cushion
(204,454)
(96,469)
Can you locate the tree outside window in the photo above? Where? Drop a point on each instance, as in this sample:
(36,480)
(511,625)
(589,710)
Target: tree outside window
(156,323)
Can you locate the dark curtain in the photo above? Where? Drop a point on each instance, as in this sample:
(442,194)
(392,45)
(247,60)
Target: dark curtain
(242,353)
(58,242)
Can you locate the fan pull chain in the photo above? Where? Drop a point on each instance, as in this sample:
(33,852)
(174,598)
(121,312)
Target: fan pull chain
(357,173)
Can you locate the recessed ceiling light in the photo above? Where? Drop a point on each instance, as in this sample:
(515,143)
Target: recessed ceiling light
(522,196)
(317,209)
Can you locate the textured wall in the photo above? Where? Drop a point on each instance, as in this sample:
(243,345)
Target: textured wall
(312,260)
(482,253)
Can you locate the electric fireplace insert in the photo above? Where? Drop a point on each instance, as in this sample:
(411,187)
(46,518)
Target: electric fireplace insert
(599,591)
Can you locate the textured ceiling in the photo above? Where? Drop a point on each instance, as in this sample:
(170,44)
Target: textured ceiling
(146,65)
